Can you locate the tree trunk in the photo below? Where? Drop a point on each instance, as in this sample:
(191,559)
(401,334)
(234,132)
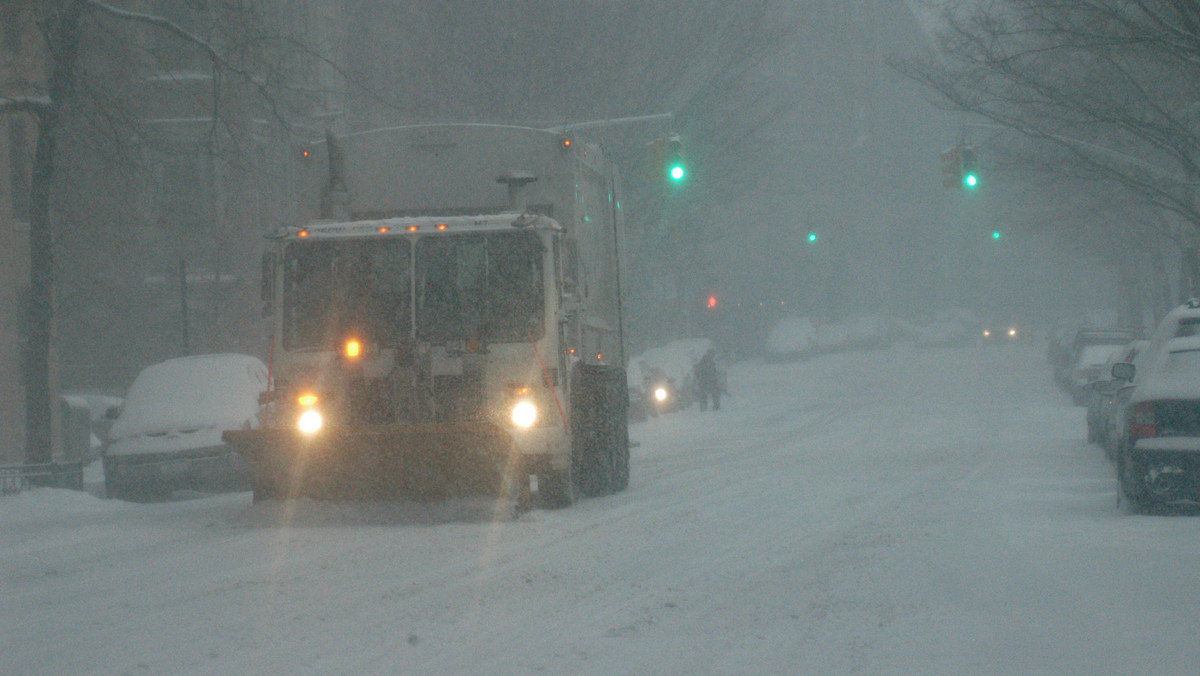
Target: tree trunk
(62,40)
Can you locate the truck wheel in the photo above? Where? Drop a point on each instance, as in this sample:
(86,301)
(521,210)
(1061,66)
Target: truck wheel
(594,471)
(556,490)
(591,425)
(620,479)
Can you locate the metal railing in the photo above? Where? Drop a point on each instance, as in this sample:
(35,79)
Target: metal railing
(17,478)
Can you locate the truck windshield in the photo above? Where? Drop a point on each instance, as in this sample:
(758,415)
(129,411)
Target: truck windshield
(486,287)
(333,289)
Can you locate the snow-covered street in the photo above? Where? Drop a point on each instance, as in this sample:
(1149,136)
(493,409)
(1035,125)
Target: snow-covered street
(907,510)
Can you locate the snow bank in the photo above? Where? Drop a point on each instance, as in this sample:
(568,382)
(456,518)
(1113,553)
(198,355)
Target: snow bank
(857,333)
(48,504)
(798,337)
(792,338)
(954,327)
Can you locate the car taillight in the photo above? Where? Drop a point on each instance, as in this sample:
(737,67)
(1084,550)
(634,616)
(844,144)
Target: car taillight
(1141,421)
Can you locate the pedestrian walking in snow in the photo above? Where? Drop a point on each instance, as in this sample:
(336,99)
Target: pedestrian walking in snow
(708,381)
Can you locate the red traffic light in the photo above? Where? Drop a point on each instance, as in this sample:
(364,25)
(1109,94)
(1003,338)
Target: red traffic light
(712,301)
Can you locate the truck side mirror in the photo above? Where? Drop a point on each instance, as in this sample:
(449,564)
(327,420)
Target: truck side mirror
(1123,370)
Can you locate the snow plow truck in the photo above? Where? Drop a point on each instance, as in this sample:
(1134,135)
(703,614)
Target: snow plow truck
(445,321)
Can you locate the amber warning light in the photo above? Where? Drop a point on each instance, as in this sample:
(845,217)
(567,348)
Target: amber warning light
(353,348)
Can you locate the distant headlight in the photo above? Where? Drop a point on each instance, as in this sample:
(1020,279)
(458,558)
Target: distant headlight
(310,421)
(661,394)
(1012,333)
(524,414)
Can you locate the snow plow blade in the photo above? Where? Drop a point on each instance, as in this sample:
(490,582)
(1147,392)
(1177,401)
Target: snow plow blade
(378,462)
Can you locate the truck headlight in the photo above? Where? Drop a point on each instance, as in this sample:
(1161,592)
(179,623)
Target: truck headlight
(310,421)
(524,414)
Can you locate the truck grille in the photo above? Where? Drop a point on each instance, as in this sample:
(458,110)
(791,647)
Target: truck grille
(370,401)
(459,399)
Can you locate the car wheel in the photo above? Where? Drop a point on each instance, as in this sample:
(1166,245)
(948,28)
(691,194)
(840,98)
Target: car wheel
(1131,474)
(1164,483)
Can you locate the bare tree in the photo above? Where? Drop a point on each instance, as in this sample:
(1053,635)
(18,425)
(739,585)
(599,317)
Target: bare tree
(88,44)
(1106,88)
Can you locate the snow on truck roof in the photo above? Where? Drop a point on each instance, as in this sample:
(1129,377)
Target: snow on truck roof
(416,225)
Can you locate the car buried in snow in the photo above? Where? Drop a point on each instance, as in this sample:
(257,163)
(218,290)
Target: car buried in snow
(167,434)
(1158,442)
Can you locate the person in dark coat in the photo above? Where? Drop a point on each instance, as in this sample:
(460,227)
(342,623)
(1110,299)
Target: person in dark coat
(708,381)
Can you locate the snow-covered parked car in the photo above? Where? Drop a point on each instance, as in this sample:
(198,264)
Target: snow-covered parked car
(1158,442)
(792,339)
(167,436)
(1159,461)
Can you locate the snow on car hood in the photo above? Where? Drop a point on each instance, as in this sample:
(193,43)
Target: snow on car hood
(191,393)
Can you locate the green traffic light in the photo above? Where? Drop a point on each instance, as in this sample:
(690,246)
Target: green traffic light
(677,172)
(970,180)
(995,234)
(812,237)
